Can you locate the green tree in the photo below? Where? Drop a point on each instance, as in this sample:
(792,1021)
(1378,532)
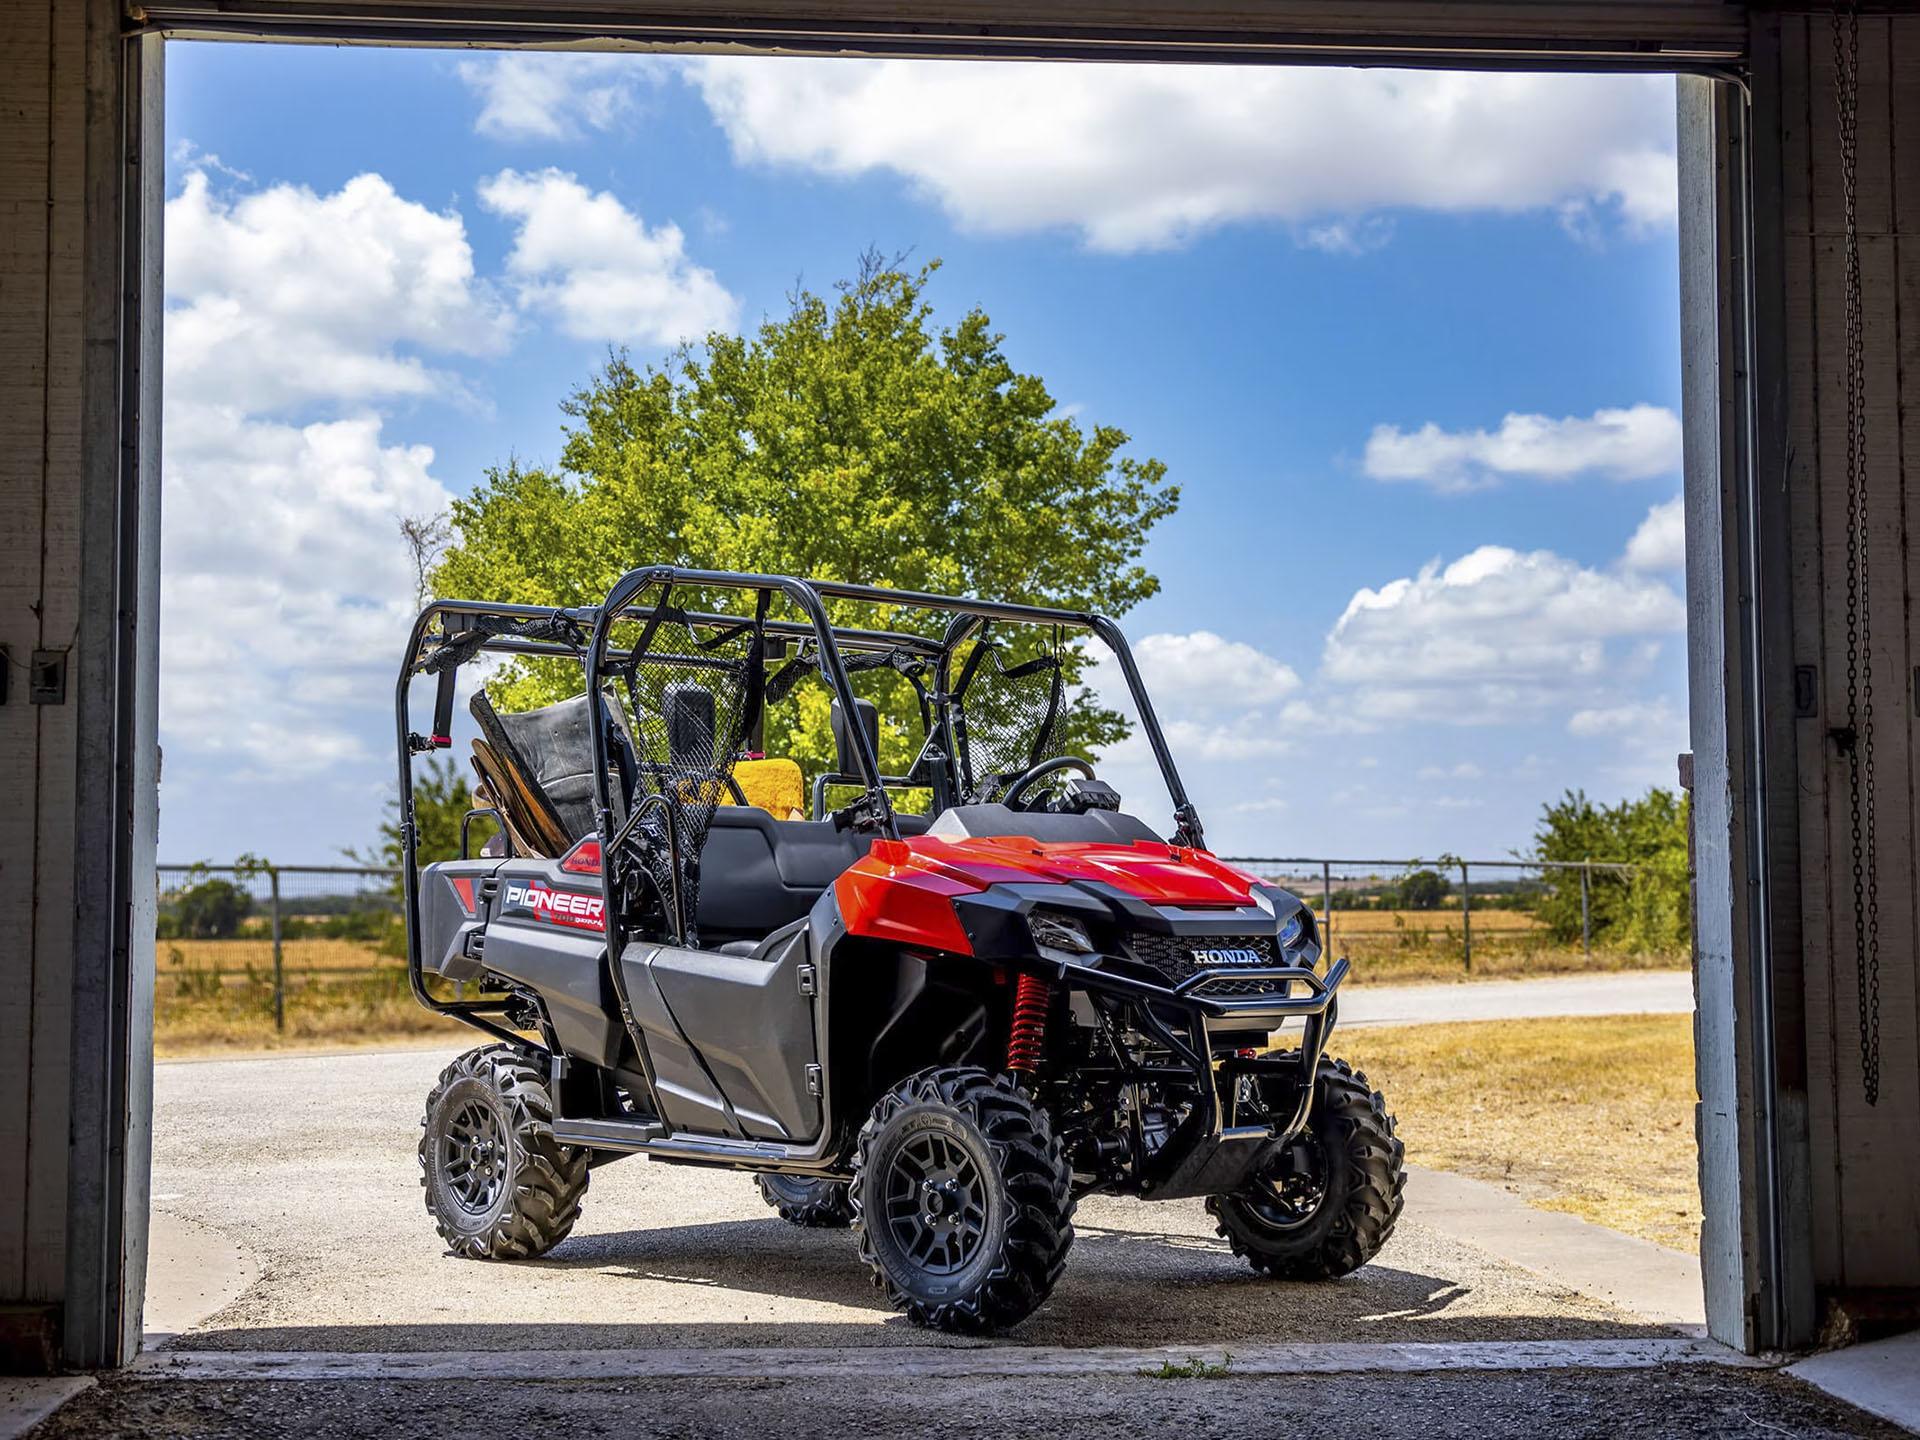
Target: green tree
(441,798)
(1647,913)
(1423,889)
(850,438)
(210,910)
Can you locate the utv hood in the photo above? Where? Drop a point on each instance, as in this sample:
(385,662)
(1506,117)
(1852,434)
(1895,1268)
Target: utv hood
(1156,873)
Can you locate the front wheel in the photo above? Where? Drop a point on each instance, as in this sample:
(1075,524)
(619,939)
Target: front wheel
(499,1186)
(1323,1205)
(962,1200)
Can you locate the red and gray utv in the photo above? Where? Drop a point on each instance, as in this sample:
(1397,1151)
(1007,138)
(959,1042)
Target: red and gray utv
(937,1005)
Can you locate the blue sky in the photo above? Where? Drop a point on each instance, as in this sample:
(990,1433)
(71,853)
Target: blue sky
(1408,344)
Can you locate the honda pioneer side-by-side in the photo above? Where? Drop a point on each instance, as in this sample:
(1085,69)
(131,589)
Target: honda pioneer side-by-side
(937,1005)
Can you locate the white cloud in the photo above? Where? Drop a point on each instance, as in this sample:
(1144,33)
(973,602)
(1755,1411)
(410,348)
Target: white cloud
(1497,636)
(1640,737)
(1639,442)
(549,95)
(1465,770)
(1143,157)
(282,296)
(594,264)
(292,318)
(1272,805)
(1660,544)
(1205,672)
(285,590)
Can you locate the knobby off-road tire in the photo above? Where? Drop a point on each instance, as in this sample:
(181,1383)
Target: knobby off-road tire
(499,1186)
(1362,1172)
(811,1204)
(962,1200)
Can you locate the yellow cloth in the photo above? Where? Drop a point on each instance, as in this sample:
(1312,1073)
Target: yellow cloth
(776,786)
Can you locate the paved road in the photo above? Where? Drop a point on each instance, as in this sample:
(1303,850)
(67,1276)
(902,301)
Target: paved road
(1644,992)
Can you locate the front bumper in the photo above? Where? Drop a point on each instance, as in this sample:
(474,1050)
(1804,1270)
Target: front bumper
(1211,1154)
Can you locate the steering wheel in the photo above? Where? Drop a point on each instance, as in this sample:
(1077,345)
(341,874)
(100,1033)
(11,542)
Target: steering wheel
(1034,774)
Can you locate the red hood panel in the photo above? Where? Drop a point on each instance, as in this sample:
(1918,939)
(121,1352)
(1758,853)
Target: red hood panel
(1158,874)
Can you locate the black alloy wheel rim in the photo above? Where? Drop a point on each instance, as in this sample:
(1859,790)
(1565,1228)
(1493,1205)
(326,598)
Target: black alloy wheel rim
(936,1204)
(474,1155)
(1294,1188)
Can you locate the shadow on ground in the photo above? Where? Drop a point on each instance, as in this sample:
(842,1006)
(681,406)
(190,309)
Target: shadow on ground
(1121,1287)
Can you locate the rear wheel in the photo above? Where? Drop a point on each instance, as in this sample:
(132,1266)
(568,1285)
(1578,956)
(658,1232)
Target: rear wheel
(813,1204)
(962,1200)
(499,1186)
(1324,1205)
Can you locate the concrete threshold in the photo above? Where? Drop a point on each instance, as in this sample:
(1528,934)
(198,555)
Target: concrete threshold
(1882,1377)
(24,1403)
(1635,1275)
(946,1362)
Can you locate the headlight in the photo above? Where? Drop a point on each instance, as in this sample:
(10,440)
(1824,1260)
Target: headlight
(1058,932)
(1295,931)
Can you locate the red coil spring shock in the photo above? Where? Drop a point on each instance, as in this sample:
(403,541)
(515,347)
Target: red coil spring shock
(1028,1036)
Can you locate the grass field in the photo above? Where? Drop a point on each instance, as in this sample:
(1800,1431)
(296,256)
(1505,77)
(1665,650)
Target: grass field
(1408,946)
(214,995)
(1590,1116)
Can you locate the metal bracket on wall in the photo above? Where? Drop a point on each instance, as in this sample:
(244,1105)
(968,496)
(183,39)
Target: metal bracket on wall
(47,678)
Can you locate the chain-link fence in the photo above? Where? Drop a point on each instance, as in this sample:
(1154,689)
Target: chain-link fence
(320,950)
(1414,914)
(236,943)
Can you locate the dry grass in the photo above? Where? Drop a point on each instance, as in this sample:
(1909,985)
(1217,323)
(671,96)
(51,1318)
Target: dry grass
(1590,1116)
(335,1016)
(183,962)
(1390,947)
(213,996)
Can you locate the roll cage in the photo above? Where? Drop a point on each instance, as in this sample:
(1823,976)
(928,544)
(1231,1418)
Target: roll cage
(449,633)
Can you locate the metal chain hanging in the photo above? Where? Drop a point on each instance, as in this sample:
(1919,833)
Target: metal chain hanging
(1856,739)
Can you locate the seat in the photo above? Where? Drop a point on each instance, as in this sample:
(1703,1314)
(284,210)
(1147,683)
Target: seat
(538,766)
(775,785)
(758,874)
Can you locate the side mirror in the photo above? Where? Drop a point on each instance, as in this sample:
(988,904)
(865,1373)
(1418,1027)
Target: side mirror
(868,718)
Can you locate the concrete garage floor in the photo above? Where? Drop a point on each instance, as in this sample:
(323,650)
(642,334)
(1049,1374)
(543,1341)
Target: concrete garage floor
(310,1164)
(289,1219)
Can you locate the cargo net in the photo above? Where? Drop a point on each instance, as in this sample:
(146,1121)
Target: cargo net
(690,700)
(1009,712)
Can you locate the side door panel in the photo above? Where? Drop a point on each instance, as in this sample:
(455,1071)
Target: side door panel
(754,1029)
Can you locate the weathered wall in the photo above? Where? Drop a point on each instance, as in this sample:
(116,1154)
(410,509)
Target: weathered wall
(1864,1193)
(77,482)
(43,97)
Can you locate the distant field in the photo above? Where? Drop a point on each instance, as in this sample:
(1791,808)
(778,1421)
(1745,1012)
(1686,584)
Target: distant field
(212,995)
(1398,946)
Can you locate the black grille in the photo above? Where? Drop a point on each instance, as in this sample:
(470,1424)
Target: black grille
(1172,956)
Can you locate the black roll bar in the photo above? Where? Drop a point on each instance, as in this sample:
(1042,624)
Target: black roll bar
(809,597)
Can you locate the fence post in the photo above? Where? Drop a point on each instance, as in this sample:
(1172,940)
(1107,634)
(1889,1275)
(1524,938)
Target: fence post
(1586,906)
(1466,917)
(1326,907)
(279,961)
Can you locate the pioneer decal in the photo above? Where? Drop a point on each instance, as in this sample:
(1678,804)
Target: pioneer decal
(556,907)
